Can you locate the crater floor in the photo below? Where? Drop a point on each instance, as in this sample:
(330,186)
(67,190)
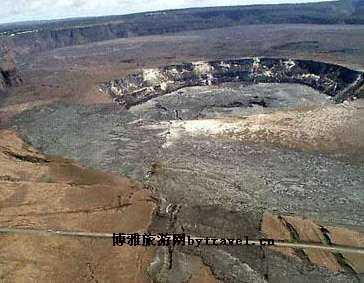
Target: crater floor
(229,100)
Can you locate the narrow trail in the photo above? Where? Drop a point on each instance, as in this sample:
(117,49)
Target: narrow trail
(253,243)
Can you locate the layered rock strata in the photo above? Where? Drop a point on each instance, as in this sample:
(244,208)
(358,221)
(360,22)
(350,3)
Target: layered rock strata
(8,73)
(336,81)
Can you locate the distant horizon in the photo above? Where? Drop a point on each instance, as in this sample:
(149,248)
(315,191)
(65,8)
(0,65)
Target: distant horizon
(38,10)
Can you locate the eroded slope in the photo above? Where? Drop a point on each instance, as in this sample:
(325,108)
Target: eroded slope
(41,192)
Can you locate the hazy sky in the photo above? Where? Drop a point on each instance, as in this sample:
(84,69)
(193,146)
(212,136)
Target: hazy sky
(20,10)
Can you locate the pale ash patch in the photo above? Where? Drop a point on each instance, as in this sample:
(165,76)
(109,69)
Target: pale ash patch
(153,76)
(311,76)
(289,64)
(201,68)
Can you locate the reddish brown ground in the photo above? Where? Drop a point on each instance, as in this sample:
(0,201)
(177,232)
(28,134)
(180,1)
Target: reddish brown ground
(40,192)
(280,228)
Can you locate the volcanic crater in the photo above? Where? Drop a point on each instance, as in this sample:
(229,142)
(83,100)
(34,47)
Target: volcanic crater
(244,140)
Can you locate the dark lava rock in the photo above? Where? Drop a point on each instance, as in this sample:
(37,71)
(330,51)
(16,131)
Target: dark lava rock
(333,80)
(8,74)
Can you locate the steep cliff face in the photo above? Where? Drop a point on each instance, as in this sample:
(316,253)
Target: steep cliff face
(333,80)
(8,74)
(34,40)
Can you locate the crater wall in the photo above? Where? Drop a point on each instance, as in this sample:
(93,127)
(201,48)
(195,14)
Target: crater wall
(8,72)
(334,80)
(35,40)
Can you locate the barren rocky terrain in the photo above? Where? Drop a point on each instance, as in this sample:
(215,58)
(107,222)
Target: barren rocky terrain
(41,192)
(218,154)
(270,154)
(8,73)
(44,192)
